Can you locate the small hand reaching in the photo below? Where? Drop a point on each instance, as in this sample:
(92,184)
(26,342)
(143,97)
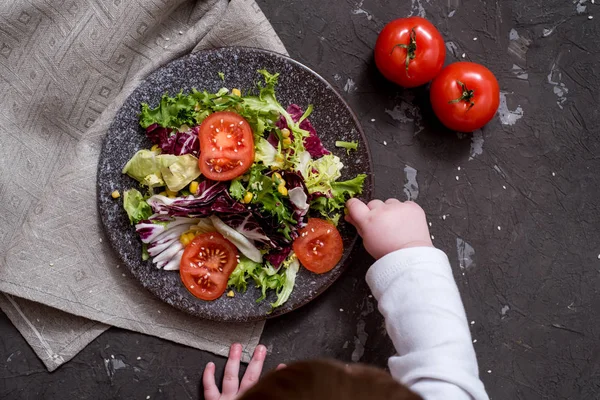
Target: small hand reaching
(390,226)
(232,388)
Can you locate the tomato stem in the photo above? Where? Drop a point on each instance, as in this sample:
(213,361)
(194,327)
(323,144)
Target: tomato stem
(467,95)
(411,47)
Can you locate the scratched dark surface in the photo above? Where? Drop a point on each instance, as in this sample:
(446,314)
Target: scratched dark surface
(522,217)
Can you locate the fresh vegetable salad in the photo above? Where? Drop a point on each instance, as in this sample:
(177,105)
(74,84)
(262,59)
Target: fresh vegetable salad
(237,190)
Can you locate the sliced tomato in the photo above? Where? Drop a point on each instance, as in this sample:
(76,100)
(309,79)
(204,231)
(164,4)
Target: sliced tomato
(226,146)
(319,246)
(206,265)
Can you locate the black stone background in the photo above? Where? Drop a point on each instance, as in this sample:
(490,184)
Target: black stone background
(532,289)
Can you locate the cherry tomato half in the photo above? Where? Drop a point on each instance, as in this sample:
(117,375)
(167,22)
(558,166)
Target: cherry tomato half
(226,146)
(206,265)
(410,51)
(465,96)
(319,246)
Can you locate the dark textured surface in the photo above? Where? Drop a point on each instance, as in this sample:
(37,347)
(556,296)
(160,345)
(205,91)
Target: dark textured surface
(532,287)
(331,117)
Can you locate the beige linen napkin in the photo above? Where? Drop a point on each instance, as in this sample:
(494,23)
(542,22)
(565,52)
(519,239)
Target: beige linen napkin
(65,68)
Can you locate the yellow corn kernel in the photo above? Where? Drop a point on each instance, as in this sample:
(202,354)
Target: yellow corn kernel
(193,187)
(162,194)
(247,198)
(115,194)
(230,293)
(282,189)
(274,168)
(287,141)
(236,92)
(285,132)
(279,158)
(185,239)
(155,148)
(171,193)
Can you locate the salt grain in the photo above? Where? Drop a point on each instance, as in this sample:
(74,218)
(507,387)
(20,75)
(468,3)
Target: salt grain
(590,17)
(457,178)
(464,55)
(384,143)
(474,340)
(372,119)
(139,358)
(472,322)
(499,228)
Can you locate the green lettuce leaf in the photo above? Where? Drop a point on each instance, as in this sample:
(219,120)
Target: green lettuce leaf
(340,193)
(291,267)
(320,174)
(180,173)
(266,278)
(135,205)
(236,189)
(172,112)
(266,153)
(266,195)
(244,270)
(353,145)
(152,169)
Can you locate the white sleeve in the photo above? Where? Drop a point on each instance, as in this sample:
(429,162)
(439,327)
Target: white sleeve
(426,321)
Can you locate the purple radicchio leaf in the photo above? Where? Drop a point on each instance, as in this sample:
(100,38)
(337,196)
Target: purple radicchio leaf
(213,198)
(247,225)
(174,142)
(277,257)
(312,143)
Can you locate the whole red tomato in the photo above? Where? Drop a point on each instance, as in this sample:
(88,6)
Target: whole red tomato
(410,51)
(465,96)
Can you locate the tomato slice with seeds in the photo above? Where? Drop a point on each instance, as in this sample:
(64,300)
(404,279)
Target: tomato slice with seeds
(206,264)
(319,246)
(226,146)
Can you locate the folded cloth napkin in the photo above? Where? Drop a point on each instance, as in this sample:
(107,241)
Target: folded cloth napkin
(66,67)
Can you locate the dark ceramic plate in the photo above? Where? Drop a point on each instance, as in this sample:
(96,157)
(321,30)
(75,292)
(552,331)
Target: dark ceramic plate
(331,117)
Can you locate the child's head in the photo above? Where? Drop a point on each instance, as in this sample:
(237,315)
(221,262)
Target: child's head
(332,380)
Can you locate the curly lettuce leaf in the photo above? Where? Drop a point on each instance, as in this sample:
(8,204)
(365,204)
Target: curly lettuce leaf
(340,193)
(320,174)
(269,200)
(237,189)
(266,278)
(353,145)
(171,112)
(290,267)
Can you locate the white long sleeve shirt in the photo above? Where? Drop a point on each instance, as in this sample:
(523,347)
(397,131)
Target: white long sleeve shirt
(426,320)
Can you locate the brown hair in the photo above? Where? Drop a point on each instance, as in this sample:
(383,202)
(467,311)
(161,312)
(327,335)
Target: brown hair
(331,380)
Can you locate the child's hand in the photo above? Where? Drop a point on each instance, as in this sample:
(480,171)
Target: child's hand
(390,226)
(232,388)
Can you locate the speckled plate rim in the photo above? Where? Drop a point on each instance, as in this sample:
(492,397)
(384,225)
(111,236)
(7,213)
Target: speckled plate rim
(368,189)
